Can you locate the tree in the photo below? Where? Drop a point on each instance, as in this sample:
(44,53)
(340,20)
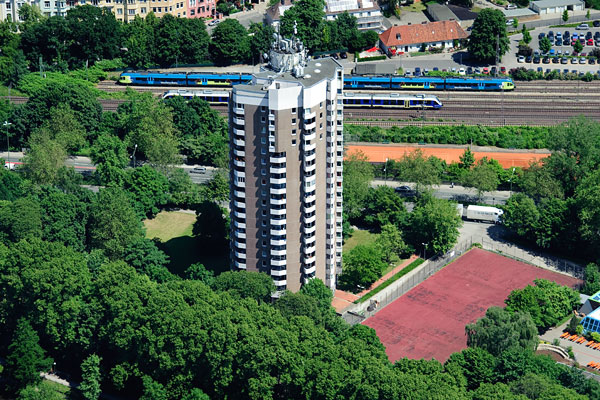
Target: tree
(21,219)
(40,391)
(592,279)
(477,366)
(565,15)
(25,357)
(547,302)
(113,222)
(467,159)
(184,193)
(109,154)
(500,330)
(358,174)
(434,222)
(545,45)
(217,189)
(44,158)
(90,378)
(526,35)
(139,38)
(95,33)
(10,184)
(211,226)
(316,289)
(577,47)
(538,181)
(253,285)
(153,390)
(362,266)
(383,206)
(587,200)
(262,37)
(144,256)
(230,43)
(180,40)
(149,188)
(489,28)
(414,167)
(309,16)
(521,216)
(552,223)
(483,177)
(199,272)
(64,128)
(390,243)
(515,23)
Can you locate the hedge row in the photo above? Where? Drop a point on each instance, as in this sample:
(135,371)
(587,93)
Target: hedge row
(518,137)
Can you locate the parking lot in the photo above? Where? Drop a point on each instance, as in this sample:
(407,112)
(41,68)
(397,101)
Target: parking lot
(561,55)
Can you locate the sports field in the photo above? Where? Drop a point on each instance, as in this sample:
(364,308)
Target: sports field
(378,153)
(429,321)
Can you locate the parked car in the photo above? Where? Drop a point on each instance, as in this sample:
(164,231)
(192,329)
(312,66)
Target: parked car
(493,70)
(470,70)
(564,60)
(214,22)
(343,55)
(462,71)
(592,60)
(503,70)
(486,70)
(583,60)
(528,59)
(511,7)
(536,60)
(541,35)
(574,60)
(558,42)
(555,60)
(583,27)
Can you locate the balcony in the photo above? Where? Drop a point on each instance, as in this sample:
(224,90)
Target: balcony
(310,209)
(238,163)
(239,184)
(278,252)
(310,270)
(277,160)
(277,212)
(310,220)
(277,222)
(310,168)
(309,230)
(277,242)
(277,202)
(238,224)
(240,245)
(310,158)
(239,235)
(309,147)
(277,170)
(309,240)
(278,232)
(240,265)
(309,249)
(239,204)
(240,255)
(310,199)
(310,126)
(239,194)
(238,110)
(278,263)
(240,215)
(238,174)
(309,114)
(239,142)
(310,135)
(239,153)
(277,181)
(277,272)
(272,128)
(238,121)
(280,283)
(239,132)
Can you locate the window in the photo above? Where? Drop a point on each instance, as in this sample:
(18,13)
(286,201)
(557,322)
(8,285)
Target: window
(294,110)
(321,114)
(143,10)
(264,213)
(293,131)
(263,140)
(263,182)
(263,151)
(263,223)
(263,161)
(264,243)
(131,12)
(321,106)
(264,253)
(293,142)
(120,11)
(46,4)
(263,108)
(263,171)
(320,136)
(321,126)
(264,233)
(263,119)
(293,121)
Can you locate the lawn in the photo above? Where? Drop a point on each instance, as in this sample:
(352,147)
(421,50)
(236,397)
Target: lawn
(414,7)
(174,229)
(359,236)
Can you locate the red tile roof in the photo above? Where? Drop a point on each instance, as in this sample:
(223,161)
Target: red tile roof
(422,33)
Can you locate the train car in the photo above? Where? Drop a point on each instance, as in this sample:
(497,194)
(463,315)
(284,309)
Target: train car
(209,79)
(374,82)
(213,97)
(391,100)
(153,79)
(427,83)
(482,84)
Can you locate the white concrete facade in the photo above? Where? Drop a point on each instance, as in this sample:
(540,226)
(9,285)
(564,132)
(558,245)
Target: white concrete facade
(556,6)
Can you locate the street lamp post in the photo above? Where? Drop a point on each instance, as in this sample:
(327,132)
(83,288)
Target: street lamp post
(6,125)
(424,250)
(511,179)
(133,155)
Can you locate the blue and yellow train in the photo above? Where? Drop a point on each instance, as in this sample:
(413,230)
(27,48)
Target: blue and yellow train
(350,81)
(350,99)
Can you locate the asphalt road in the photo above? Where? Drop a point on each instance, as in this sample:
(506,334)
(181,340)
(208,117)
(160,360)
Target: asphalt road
(456,193)
(84,165)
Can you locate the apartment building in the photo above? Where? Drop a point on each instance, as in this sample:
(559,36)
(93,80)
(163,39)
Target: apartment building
(286,169)
(202,8)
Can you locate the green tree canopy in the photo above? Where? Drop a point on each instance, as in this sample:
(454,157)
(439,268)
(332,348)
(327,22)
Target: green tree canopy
(363,265)
(489,30)
(230,43)
(358,174)
(90,378)
(309,16)
(383,206)
(500,330)
(253,285)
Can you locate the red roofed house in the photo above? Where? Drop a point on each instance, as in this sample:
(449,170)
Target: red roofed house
(410,38)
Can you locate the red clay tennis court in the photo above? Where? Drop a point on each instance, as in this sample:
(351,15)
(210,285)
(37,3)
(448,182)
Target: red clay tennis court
(429,321)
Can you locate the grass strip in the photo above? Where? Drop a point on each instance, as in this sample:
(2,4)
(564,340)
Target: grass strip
(394,278)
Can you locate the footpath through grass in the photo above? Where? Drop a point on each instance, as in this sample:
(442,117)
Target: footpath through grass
(174,229)
(394,278)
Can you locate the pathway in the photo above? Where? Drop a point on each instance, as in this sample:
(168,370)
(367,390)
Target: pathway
(342,299)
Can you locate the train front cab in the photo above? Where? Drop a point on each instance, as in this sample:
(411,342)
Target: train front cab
(425,102)
(507,85)
(125,78)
